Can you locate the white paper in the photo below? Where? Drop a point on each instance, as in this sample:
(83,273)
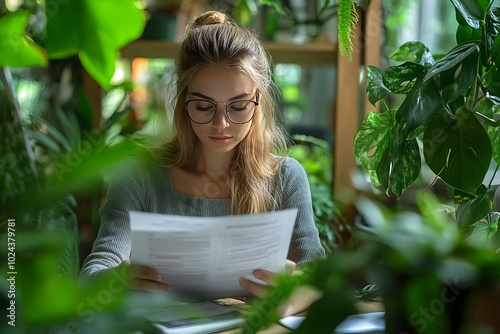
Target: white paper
(206,256)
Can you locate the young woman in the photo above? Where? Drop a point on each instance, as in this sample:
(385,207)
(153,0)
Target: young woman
(220,159)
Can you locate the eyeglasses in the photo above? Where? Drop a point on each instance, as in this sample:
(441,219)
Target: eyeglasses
(238,112)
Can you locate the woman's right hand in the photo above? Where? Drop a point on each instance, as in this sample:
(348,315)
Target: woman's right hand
(144,278)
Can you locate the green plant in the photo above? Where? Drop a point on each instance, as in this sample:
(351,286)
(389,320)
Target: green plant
(450,114)
(48,158)
(314,155)
(428,278)
(429,270)
(244,11)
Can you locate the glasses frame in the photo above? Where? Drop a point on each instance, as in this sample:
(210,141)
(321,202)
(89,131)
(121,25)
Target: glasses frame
(216,104)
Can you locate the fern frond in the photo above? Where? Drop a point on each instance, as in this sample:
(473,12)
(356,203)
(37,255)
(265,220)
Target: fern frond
(348,17)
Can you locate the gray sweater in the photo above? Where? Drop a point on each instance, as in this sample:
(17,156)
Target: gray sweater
(149,188)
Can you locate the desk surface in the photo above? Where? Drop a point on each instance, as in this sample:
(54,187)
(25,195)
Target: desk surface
(362,307)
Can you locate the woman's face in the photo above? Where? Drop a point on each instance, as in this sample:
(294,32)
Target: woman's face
(219,85)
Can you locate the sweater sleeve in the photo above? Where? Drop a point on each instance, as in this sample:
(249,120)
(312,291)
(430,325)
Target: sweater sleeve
(305,245)
(113,242)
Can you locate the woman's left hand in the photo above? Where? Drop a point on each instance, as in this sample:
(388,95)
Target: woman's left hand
(299,301)
(257,289)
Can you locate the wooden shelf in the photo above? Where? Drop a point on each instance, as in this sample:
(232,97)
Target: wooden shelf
(303,54)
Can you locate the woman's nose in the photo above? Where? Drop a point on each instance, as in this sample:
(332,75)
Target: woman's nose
(220,120)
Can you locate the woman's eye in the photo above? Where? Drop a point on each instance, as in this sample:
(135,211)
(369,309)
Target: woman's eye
(239,106)
(204,107)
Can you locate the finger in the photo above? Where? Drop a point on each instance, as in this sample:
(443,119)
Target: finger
(264,275)
(252,287)
(144,272)
(140,271)
(147,285)
(300,300)
(290,266)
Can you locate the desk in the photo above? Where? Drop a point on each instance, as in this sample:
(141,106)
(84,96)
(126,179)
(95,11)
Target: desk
(362,307)
(274,329)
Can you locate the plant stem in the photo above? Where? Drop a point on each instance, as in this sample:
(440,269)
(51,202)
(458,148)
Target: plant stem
(493,176)
(6,78)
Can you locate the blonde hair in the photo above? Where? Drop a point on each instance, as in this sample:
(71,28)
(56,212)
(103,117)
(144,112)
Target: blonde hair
(213,38)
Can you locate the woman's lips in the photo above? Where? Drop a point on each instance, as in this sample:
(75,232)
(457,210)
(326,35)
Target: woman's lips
(220,139)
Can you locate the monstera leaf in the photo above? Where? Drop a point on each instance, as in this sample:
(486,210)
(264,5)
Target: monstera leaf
(95,30)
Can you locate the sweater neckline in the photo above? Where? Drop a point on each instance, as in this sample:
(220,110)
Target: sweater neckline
(168,174)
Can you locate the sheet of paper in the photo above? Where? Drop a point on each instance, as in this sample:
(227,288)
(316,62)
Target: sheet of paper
(206,256)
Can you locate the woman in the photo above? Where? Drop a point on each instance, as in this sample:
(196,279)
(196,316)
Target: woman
(219,160)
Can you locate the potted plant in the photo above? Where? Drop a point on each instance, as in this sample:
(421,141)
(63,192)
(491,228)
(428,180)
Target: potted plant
(433,275)
(428,278)
(44,166)
(448,122)
(450,115)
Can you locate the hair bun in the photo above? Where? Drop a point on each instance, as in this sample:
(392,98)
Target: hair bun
(210,17)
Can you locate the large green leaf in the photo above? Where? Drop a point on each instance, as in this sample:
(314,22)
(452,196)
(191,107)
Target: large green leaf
(415,52)
(401,79)
(452,59)
(418,106)
(400,164)
(495,50)
(463,78)
(492,80)
(95,30)
(470,212)
(375,90)
(473,11)
(467,34)
(492,25)
(16,49)
(492,111)
(85,164)
(372,138)
(457,149)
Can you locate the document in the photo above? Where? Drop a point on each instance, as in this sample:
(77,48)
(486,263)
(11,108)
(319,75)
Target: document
(205,257)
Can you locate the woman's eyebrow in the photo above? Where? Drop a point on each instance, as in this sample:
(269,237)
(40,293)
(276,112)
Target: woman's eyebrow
(205,97)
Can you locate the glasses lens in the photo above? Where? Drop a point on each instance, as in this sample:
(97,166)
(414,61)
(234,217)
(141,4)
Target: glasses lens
(240,111)
(201,111)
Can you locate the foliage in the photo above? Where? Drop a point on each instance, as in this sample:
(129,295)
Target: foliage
(345,10)
(415,258)
(450,113)
(46,159)
(97,49)
(314,155)
(15,48)
(348,17)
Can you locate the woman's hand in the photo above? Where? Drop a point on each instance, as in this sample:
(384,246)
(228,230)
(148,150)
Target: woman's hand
(257,289)
(145,278)
(300,299)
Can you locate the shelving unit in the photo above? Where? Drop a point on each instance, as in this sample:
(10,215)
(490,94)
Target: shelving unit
(304,54)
